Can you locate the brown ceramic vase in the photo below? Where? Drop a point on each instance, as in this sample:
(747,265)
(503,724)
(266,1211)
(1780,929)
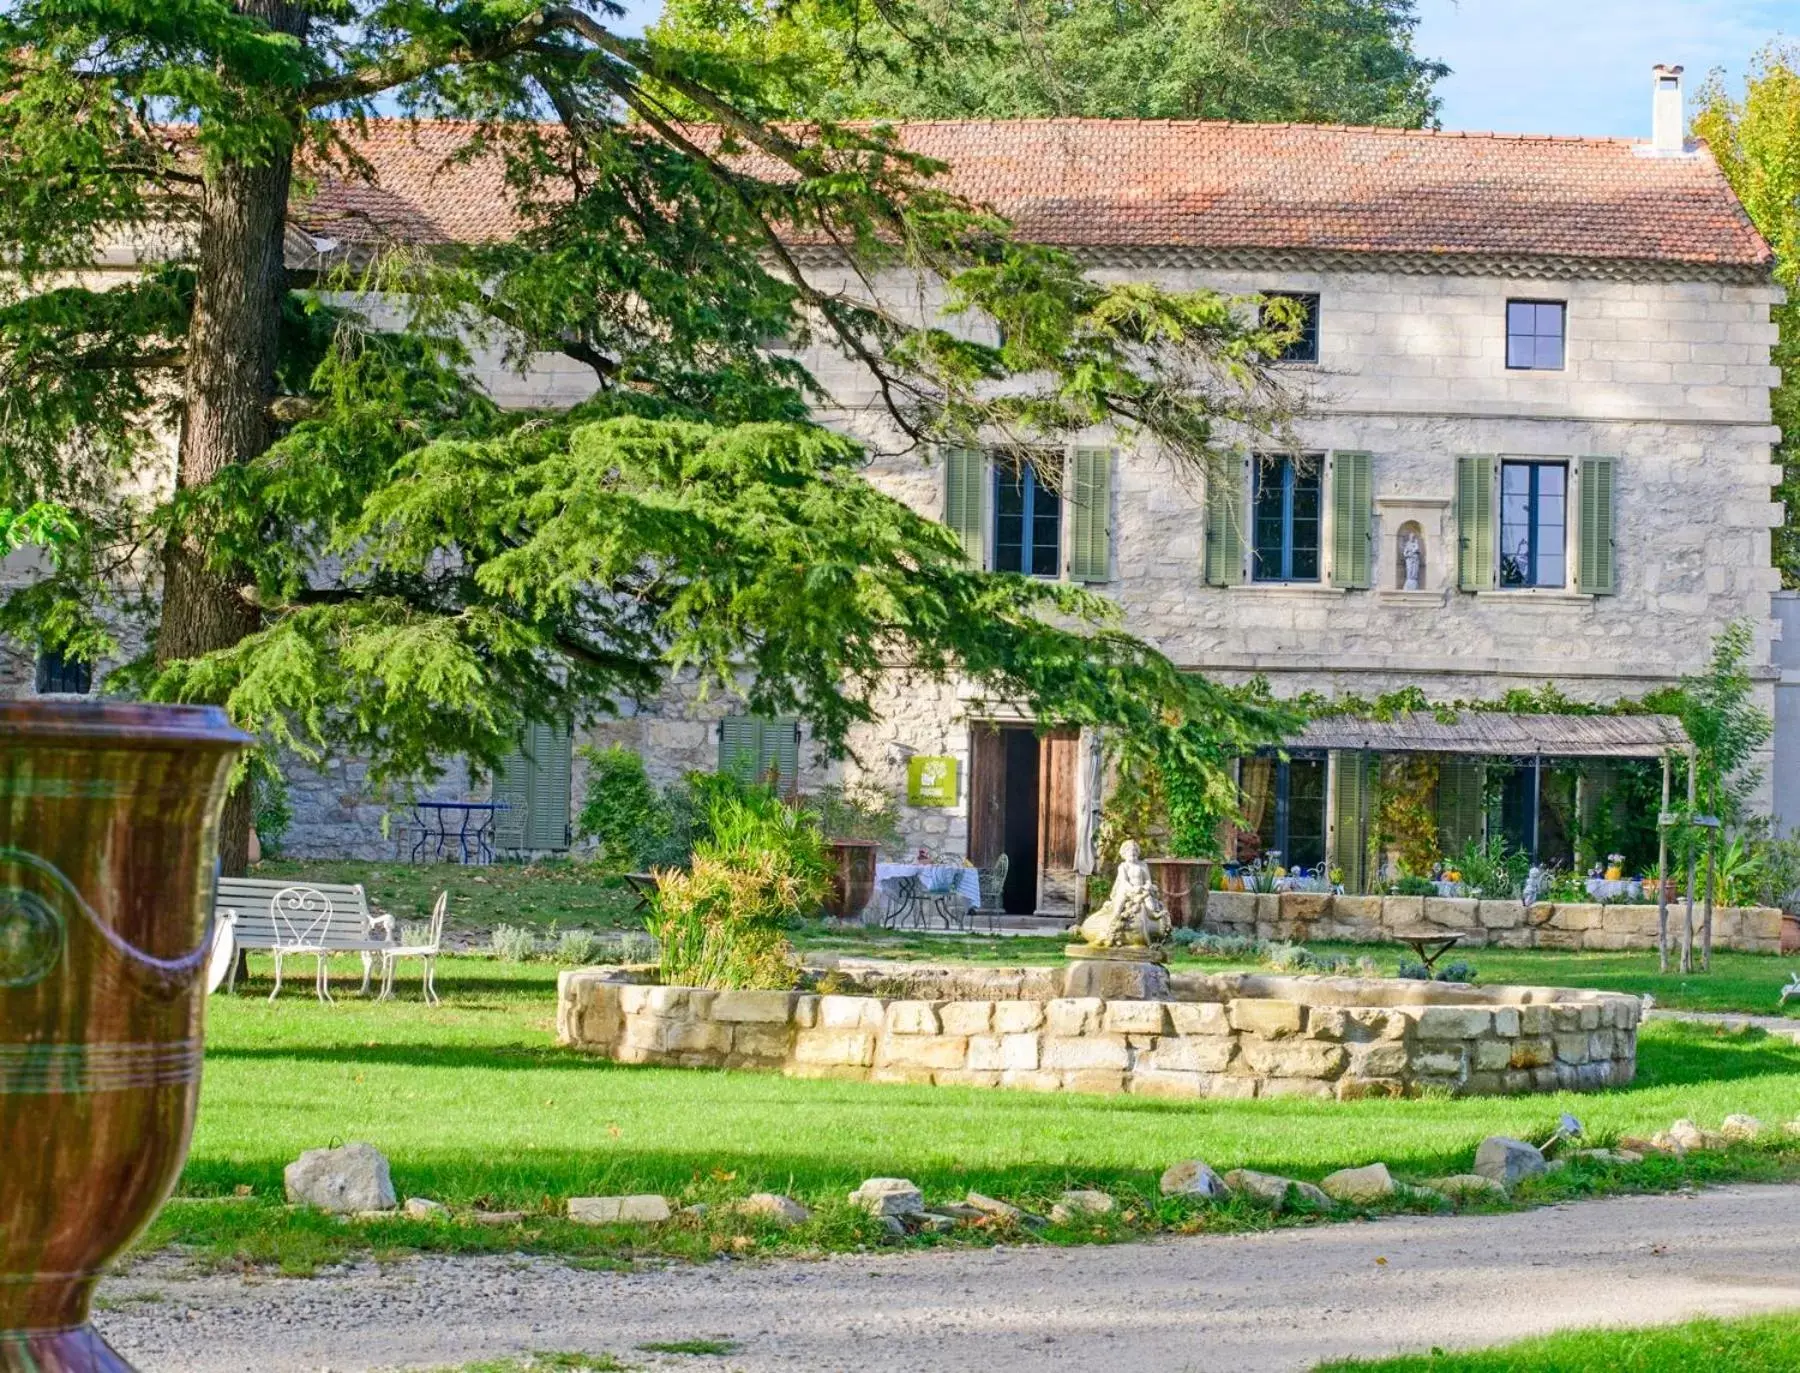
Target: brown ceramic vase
(852,877)
(108,841)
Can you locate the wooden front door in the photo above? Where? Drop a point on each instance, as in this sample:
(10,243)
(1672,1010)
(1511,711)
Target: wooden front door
(1058,755)
(987,795)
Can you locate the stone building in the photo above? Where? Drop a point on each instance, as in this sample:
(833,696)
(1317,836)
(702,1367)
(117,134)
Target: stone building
(1536,447)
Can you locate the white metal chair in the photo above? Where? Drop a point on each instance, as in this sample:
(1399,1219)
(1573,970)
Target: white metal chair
(302,918)
(428,951)
(1792,989)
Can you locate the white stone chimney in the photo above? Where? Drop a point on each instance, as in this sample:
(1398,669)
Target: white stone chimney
(1667,117)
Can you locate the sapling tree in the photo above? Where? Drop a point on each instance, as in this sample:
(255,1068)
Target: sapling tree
(353,548)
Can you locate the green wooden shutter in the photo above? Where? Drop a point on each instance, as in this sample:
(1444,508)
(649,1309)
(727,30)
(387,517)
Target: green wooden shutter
(1459,809)
(740,746)
(1349,824)
(1475,523)
(547,805)
(965,484)
(534,782)
(1090,553)
(1596,559)
(1352,516)
(1225,527)
(512,788)
(779,756)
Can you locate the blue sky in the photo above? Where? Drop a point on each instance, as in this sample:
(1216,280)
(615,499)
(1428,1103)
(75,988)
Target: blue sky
(1569,66)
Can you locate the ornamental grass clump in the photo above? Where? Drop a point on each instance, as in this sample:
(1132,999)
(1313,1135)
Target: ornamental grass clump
(721,923)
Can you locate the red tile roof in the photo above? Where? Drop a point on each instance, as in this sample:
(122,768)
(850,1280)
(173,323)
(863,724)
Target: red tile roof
(1143,184)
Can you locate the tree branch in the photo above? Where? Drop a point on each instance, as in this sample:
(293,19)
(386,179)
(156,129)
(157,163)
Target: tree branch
(413,62)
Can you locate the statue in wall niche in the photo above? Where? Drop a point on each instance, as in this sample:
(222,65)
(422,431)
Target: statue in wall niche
(1134,916)
(1412,557)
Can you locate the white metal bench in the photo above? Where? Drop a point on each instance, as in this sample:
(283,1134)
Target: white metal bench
(1792,989)
(313,919)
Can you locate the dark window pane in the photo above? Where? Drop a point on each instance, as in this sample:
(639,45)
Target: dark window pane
(1009,521)
(1046,531)
(1304,538)
(59,675)
(1304,348)
(1533,523)
(1271,505)
(1305,813)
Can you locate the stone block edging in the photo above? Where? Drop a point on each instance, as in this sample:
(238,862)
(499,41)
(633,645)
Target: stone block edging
(1588,926)
(1234,1035)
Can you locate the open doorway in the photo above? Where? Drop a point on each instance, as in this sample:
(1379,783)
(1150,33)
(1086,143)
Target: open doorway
(1021,804)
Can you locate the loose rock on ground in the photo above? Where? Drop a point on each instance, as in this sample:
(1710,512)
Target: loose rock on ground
(344,1180)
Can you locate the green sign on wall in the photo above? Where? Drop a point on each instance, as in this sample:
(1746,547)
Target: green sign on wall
(930,780)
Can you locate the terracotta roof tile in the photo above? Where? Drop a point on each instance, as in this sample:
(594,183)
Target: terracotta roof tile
(1093,183)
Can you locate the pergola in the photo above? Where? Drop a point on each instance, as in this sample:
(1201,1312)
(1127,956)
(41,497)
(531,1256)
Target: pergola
(1537,737)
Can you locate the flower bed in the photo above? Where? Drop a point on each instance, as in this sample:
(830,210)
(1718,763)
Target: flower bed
(1228,1035)
(1505,924)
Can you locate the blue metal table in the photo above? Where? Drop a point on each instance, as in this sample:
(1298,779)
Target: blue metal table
(465,828)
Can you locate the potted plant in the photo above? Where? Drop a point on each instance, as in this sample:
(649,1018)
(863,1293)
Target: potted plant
(856,822)
(1185,876)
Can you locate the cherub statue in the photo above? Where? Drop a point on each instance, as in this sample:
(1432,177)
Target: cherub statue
(1134,915)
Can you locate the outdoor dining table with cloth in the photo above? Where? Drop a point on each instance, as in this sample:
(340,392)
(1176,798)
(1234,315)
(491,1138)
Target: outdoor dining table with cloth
(936,877)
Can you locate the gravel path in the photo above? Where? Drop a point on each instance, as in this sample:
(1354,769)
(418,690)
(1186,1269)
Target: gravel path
(1277,1301)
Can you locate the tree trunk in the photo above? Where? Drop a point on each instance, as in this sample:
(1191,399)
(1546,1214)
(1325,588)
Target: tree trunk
(232,345)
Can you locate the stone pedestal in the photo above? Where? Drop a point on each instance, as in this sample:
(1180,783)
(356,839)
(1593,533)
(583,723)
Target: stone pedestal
(1116,974)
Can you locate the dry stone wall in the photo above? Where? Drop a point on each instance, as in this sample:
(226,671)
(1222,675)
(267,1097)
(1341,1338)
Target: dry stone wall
(1501,924)
(1247,1036)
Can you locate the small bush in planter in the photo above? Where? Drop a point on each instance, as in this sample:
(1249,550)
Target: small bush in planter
(720,924)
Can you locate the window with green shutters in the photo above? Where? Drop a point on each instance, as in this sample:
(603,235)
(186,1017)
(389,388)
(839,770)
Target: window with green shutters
(1090,552)
(965,482)
(1352,519)
(533,782)
(1475,523)
(758,750)
(1462,819)
(1225,526)
(1349,817)
(1596,557)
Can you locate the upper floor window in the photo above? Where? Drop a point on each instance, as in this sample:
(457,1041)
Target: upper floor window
(1534,334)
(1304,348)
(1534,523)
(1027,523)
(67,676)
(1284,524)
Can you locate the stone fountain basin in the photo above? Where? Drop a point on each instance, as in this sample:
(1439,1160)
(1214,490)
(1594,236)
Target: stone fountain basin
(1220,1035)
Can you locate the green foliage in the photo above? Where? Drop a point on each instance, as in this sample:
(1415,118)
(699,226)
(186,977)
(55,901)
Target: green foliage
(1493,871)
(513,943)
(619,808)
(1406,813)
(271,811)
(1723,721)
(1317,61)
(1414,971)
(578,948)
(422,573)
(859,811)
(1756,140)
(762,868)
(1411,884)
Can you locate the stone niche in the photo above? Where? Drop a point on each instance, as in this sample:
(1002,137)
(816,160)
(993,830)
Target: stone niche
(1223,1035)
(1428,519)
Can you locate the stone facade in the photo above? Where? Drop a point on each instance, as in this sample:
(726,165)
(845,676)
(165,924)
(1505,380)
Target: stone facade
(1499,924)
(1670,377)
(1234,1036)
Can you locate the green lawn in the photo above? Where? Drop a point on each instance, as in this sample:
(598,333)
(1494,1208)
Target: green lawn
(1754,1344)
(475,1105)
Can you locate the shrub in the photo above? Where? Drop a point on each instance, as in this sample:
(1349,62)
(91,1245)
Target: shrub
(1459,971)
(581,947)
(513,943)
(619,808)
(763,868)
(856,812)
(1494,871)
(1415,886)
(1204,945)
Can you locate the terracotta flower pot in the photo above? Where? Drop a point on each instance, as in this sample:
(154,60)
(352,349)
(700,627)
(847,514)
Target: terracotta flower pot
(852,877)
(1790,932)
(108,848)
(1183,883)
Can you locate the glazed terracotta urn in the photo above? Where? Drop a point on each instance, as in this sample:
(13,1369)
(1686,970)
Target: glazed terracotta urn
(108,852)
